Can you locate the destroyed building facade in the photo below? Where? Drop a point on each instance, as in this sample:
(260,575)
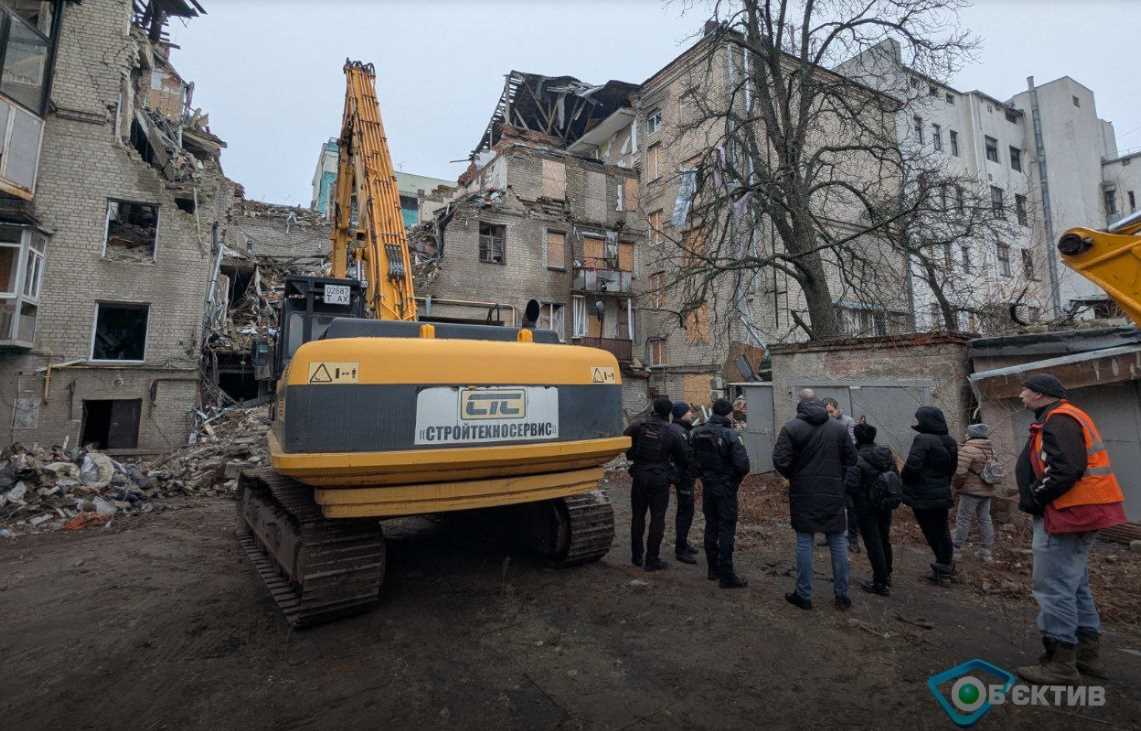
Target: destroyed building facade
(109,227)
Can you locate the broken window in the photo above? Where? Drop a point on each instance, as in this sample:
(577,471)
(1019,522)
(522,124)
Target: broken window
(551,318)
(937,136)
(1004,260)
(120,331)
(132,230)
(954,142)
(950,99)
(1076,102)
(111,423)
(653,121)
(991,149)
(578,316)
(1020,209)
(492,243)
(22,253)
(1016,159)
(1028,264)
(25,58)
(556,250)
(653,161)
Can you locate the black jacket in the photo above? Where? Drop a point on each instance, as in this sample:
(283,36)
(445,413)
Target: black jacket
(719,455)
(873,460)
(931,462)
(685,477)
(813,452)
(659,459)
(1065,448)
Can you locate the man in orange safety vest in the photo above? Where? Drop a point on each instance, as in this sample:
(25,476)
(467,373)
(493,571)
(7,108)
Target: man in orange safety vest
(1066,483)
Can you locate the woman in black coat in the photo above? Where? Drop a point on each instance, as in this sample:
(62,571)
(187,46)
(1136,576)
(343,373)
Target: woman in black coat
(927,486)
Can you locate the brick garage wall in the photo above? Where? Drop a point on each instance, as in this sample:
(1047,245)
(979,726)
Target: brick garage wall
(82,164)
(937,360)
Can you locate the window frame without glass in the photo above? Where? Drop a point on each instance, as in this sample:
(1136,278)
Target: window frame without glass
(145,307)
(20,295)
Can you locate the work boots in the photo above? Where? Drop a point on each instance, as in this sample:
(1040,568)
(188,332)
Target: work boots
(730,580)
(656,564)
(941,574)
(1057,666)
(1089,655)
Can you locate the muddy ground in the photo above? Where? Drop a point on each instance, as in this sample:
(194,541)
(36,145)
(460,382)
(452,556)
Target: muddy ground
(158,622)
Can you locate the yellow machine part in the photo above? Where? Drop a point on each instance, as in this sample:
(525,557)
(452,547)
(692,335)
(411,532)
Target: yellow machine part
(1111,260)
(404,481)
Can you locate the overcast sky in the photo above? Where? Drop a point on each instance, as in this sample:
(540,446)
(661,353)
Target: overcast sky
(268,72)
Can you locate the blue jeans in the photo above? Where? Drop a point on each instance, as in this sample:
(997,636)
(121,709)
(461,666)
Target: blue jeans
(1061,584)
(838,545)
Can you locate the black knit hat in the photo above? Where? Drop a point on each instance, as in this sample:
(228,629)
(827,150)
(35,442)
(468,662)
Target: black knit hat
(722,407)
(1045,384)
(864,433)
(681,408)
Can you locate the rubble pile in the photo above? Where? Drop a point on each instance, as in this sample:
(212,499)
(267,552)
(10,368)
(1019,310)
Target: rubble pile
(55,488)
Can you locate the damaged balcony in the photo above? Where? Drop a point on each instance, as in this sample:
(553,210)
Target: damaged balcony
(604,322)
(27,31)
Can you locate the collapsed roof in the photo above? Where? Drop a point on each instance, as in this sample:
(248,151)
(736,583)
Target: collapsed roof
(559,106)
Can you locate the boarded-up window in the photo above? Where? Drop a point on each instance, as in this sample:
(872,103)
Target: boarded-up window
(695,388)
(695,246)
(657,349)
(625,256)
(593,322)
(631,196)
(594,253)
(658,288)
(656,219)
(556,250)
(596,197)
(697,326)
(554,180)
(654,161)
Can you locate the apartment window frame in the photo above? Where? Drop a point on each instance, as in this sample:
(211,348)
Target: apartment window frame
(991,146)
(937,137)
(1028,270)
(656,223)
(549,310)
(27,276)
(656,351)
(145,307)
(997,205)
(1003,253)
(9,18)
(965,252)
(1020,209)
(1109,200)
(487,243)
(654,161)
(1077,102)
(950,99)
(658,289)
(960,203)
(953,137)
(1132,200)
(562,266)
(578,316)
(1015,158)
(653,121)
(917,126)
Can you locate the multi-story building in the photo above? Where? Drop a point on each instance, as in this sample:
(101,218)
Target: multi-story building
(110,228)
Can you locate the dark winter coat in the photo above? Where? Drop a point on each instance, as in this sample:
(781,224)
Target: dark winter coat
(812,452)
(657,460)
(872,461)
(1065,447)
(719,455)
(685,477)
(931,462)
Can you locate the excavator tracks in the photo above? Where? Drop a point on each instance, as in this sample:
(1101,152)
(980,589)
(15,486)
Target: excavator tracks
(315,569)
(568,531)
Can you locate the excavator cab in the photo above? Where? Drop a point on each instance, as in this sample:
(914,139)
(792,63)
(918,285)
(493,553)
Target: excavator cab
(308,306)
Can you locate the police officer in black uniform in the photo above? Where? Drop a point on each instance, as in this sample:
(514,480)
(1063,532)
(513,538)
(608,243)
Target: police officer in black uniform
(683,483)
(657,453)
(720,455)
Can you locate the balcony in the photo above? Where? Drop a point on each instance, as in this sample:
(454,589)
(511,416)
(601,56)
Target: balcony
(601,281)
(619,348)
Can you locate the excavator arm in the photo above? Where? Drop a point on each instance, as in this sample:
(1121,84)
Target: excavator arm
(1111,259)
(374,247)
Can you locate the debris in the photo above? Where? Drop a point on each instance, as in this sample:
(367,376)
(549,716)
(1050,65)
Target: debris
(917,621)
(86,520)
(1135,546)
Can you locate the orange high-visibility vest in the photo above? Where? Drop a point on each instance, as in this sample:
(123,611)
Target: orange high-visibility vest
(1098,485)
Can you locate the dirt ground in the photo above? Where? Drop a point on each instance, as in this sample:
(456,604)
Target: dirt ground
(158,622)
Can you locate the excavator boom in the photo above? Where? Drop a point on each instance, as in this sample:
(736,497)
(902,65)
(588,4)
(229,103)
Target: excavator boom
(1111,259)
(375,245)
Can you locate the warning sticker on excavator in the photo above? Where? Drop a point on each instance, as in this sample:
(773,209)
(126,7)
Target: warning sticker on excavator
(322,372)
(602,374)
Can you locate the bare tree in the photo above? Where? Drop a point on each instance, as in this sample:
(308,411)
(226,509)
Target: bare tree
(793,161)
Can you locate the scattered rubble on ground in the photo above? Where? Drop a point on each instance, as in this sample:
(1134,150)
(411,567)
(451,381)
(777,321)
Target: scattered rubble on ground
(55,488)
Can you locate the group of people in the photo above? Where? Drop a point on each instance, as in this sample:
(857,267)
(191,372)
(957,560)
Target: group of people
(843,484)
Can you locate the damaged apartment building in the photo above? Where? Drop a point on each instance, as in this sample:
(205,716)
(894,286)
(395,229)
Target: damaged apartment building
(113,208)
(540,214)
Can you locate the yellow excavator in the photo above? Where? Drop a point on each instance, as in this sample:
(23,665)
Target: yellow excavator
(1111,259)
(380,415)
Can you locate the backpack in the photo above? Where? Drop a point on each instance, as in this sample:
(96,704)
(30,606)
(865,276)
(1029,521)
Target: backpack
(708,446)
(992,472)
(886,492)
(650,443)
